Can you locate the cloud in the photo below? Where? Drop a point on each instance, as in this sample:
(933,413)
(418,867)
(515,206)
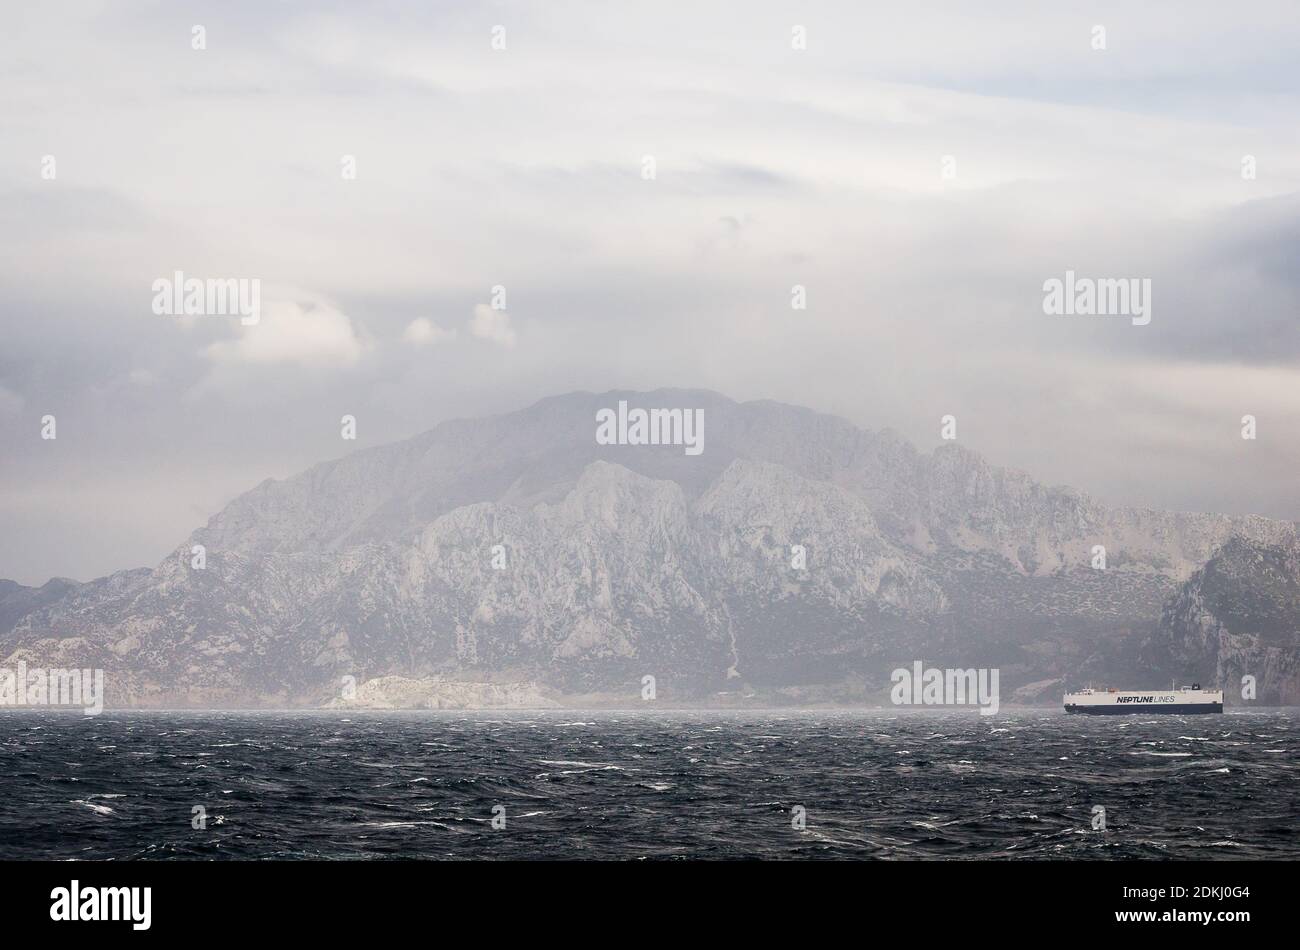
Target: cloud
(424,332)
(314,333)
(494,325)
(924,292)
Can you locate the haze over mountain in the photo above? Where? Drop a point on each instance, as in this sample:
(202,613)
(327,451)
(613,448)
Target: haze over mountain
(517,550)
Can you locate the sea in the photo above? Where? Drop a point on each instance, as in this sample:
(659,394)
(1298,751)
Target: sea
(631,785)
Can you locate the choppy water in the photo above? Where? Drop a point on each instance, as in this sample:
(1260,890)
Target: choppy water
(629,785)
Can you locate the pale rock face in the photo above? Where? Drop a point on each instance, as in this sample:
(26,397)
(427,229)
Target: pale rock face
(401,692)
(1036,692)
(126,646)
(515,547)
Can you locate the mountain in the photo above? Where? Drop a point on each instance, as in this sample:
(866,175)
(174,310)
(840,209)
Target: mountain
(1237,616)
(517,549)
(16,601)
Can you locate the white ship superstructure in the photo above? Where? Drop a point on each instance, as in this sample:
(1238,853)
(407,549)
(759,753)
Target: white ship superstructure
(1189,700)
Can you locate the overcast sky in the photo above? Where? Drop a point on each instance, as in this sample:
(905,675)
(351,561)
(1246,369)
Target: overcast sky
(523,167)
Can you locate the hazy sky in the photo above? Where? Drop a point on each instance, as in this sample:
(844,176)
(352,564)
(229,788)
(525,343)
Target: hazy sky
(523,167)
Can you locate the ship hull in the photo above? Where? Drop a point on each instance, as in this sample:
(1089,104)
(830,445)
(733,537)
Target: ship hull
(1163,709)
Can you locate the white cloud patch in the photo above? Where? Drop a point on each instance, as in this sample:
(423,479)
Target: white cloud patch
(312,333)
(424,332)
(494,325)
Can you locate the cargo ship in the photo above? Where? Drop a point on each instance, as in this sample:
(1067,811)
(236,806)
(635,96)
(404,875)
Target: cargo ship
(1185,701)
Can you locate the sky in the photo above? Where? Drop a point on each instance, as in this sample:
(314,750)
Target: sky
(920,169)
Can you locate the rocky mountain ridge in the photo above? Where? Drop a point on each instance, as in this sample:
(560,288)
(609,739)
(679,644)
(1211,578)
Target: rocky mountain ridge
(797,552)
